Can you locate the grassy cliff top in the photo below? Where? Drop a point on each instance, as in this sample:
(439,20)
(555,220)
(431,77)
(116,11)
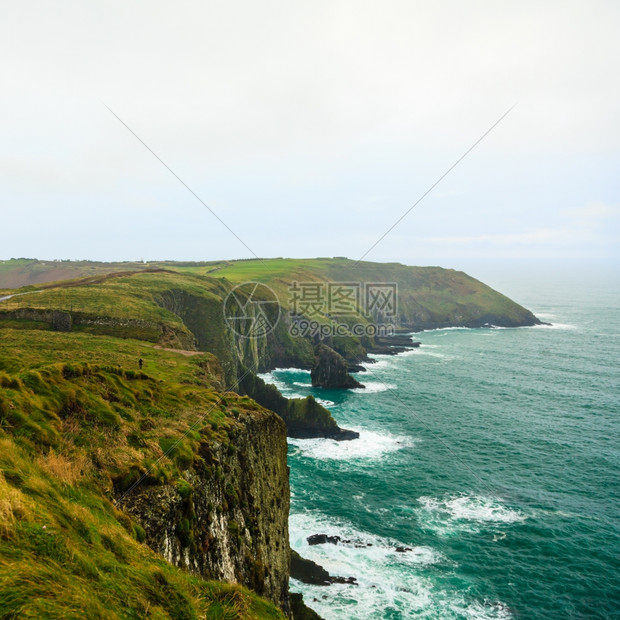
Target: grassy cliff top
(428,295)
(78,419)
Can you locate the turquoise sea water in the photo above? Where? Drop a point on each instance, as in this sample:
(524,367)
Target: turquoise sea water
(493,454)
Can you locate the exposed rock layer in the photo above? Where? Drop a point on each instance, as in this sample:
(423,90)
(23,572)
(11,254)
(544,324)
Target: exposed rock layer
(228,518)
(331,370)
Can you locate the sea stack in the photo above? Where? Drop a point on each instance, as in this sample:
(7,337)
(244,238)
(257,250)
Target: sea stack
(331,370)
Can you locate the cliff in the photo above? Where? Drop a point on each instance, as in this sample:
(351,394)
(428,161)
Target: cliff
(201,311)
(227,519)
(183,312)
(331,370)
(98,459)
(183,306)
(428,297)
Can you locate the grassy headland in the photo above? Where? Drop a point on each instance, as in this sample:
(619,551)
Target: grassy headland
(81,422)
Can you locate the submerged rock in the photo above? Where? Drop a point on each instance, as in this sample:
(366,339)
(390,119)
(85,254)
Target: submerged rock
(321,539)
(350,580)
(308,571)
(393,345)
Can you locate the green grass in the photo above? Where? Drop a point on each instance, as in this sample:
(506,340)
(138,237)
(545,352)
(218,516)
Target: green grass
(117,297)
(16,273)
(122,307)
(23,348)
(432,293)
(426,295)
(77,419)
(181,306)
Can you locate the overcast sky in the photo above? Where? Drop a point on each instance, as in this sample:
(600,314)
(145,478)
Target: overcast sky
(310,128)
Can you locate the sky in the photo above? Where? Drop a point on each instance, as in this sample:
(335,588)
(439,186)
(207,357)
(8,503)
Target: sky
(309,129)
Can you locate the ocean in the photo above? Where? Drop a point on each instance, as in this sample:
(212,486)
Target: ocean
(491,456)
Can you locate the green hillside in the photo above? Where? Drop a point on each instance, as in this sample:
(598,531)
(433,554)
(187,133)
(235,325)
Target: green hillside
(19,272)
(428,297)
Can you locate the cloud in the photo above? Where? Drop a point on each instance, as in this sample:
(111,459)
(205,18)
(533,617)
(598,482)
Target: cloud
(594,211)
(588,230)
(537,237)
(296,113)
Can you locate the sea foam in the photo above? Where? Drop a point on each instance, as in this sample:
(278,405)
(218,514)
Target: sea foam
(390,583)
(371,387)
(464,513)
(369,445)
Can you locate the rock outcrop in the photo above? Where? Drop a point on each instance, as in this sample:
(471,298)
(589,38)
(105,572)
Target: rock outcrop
(310,572)
(299,609)
(227,519)
(392,345)
(304,417)
(331,370)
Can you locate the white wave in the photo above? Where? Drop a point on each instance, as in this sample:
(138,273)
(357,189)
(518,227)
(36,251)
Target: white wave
(412,352)
(464,513)
(271,377)
(380,361)
(428,353)
(483,611)
(325,402)
(552,326)
(284,388)
(268,377)
(373,386)
(301,384)
(362,545)
(370,366)
(388,581)
(446,329)
(369,445)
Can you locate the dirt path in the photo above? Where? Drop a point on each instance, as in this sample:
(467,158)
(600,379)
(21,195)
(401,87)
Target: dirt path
(181,351)
(5,297)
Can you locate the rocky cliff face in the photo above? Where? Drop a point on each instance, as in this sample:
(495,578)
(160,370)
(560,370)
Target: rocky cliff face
(204,316)
(331,370)
(227,519)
